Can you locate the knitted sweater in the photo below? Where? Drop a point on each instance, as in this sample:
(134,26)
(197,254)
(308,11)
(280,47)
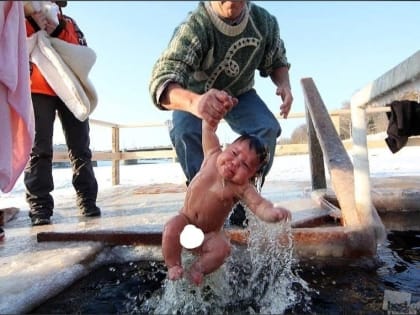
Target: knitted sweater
(205,52)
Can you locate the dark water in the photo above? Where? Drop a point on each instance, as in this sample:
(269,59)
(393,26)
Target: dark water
(337,286)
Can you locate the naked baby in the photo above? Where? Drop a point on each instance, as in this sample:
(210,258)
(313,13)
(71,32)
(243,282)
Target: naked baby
(225,178)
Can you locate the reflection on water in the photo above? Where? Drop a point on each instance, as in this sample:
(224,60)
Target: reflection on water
(335,286)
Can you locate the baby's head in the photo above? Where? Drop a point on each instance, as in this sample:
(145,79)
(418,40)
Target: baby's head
(260,149)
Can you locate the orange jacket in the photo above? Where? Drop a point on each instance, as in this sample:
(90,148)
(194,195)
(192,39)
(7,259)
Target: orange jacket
(68,31)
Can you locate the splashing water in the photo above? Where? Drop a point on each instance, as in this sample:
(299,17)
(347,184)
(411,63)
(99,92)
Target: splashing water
(182,297)
(258,182)
(254,279)
(273,283)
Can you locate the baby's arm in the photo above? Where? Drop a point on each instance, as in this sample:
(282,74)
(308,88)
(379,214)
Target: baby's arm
(263,208)
(210,140)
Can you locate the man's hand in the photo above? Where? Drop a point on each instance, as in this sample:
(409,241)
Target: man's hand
(213,105)
(280,77)
(286,95)
(40,19)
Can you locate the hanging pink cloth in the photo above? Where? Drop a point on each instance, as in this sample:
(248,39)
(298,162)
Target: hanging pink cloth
(16,111)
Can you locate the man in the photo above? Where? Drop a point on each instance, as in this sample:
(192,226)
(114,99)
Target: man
(38,173)
(217,50)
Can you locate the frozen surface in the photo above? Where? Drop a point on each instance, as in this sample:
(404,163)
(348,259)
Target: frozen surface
(149,194)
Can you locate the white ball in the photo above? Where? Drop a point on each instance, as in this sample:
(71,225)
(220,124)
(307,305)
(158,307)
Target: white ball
(191,237)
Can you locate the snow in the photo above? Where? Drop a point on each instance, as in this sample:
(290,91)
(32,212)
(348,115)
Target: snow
(294,168)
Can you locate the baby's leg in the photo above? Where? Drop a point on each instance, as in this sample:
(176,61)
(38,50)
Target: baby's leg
(215,249)
(171,247)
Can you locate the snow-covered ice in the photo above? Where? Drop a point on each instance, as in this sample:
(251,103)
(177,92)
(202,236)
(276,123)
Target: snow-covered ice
(31,271)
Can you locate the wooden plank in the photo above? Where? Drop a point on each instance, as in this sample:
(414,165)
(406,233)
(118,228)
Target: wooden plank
(333,242)
(281,149)
(108,237)
(308,242)
(335,155)
(7,214)
(316,157)
(155,154)
(116,162)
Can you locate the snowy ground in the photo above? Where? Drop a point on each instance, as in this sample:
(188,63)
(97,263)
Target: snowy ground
(285,168)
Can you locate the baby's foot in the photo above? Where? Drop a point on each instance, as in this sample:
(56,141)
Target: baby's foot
(196,277)
(175,272)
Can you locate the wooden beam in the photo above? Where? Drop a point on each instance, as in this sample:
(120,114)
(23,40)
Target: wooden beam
(108,237)
(7,214)
(316,158)
(116,150)
(335,155)
(308,242)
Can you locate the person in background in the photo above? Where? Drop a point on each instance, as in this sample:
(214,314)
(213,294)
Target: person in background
(38,173)
(226,177)
(219,47)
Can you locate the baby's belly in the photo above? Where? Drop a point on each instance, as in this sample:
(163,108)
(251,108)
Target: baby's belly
(209,213)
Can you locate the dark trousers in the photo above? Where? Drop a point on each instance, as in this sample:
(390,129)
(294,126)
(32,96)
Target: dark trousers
(38,173)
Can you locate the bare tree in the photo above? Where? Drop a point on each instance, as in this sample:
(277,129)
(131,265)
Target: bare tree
(300,134)
(345,122)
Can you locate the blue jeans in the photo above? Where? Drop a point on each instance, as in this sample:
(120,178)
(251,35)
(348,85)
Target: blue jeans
(251,115)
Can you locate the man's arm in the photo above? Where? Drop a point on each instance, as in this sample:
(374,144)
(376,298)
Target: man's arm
(211,106)
(280,77)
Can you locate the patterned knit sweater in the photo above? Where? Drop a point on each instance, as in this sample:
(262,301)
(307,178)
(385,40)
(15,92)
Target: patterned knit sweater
(205,52)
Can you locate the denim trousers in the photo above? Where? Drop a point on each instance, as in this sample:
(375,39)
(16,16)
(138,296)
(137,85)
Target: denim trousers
(251,115)
(38,177)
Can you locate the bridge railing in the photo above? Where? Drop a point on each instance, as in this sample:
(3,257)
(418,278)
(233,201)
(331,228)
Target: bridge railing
(116,154)
(400,83)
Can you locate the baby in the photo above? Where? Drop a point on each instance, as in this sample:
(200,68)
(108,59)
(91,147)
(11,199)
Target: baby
(224,179)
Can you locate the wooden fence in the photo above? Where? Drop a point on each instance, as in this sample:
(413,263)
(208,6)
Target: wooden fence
(167,152)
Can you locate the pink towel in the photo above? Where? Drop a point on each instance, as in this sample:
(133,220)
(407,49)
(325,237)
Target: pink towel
(16,111)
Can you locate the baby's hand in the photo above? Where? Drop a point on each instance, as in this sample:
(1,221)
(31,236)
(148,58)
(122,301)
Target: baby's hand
(281,214)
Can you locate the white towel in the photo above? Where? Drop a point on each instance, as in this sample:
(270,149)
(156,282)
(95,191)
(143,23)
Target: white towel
(66,67)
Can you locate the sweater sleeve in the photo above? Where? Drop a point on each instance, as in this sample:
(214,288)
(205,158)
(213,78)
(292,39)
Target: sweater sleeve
(275,52)
(177,63)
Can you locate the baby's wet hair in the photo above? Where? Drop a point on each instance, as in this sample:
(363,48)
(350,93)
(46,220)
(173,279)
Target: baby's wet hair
(256,144)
